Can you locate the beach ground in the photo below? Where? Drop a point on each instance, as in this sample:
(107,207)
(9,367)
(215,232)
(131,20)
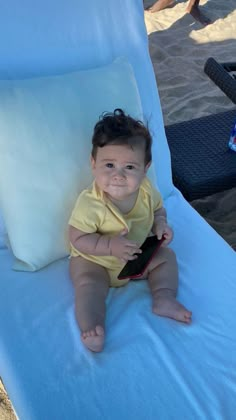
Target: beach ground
(179,47)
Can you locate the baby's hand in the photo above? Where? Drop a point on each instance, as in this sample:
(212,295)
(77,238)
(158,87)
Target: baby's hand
(123,248)
(163,229)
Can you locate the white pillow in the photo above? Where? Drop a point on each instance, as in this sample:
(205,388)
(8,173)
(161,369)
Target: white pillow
(46,126)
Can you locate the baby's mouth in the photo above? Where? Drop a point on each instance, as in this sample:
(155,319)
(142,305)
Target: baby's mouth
(118,185)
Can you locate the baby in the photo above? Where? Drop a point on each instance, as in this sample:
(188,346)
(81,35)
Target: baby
(111,220)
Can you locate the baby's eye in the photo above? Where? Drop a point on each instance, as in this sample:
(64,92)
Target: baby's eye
(109,165)
(129,167)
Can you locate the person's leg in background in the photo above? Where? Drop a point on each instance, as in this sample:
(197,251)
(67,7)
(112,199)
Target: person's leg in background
(192,8)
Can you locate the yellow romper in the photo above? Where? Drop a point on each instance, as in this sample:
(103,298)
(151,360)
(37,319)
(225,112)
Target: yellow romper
(94,212)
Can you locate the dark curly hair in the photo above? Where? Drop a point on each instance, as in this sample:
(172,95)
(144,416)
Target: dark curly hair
(120,129)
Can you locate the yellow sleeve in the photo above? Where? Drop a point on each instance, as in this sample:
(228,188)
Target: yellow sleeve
(87,213)
(157,199)
(155,195)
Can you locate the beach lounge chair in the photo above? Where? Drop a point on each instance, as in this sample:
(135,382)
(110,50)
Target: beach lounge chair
(223,75)
(202,163)
(151,367)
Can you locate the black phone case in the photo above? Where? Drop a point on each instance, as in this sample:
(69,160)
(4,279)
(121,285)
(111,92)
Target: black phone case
(135,268)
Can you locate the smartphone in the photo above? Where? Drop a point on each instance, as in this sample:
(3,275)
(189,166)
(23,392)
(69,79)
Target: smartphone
(135,268)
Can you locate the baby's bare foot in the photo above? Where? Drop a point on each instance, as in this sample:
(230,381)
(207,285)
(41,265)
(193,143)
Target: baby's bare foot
(94,339)
(167,305)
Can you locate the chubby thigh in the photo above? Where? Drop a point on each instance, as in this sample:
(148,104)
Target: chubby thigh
(86,271)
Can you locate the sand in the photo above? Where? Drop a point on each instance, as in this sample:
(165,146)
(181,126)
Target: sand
(179,47)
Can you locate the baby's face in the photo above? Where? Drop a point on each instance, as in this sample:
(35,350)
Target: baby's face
(119,170)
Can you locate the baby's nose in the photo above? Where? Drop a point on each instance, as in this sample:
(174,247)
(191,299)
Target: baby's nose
(119,173)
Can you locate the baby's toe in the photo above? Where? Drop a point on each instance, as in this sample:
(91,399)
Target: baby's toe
(94,339)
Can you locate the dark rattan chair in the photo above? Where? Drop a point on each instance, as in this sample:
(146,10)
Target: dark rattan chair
(202,163)
(223,75)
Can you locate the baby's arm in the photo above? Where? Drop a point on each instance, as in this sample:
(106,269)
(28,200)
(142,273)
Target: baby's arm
(160,226)
(104,245)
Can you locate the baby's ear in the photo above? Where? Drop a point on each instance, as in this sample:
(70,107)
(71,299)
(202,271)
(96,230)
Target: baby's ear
(92,161)
(147,166)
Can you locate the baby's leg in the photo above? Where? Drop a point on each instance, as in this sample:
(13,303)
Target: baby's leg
(163,283)
(91,283)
